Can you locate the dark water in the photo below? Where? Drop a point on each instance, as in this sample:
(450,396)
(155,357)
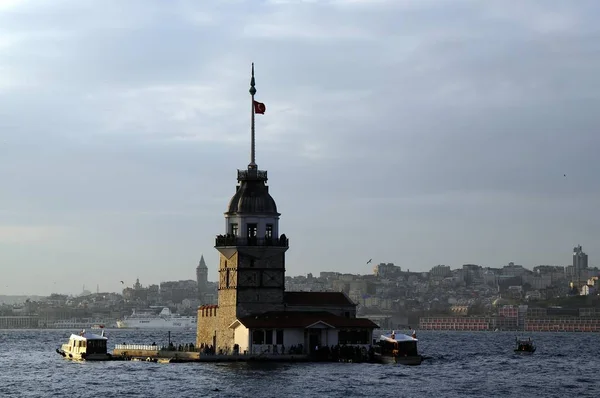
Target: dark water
(462,364)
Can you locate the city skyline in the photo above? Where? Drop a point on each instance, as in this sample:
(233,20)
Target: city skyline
(418,133)
(146,284)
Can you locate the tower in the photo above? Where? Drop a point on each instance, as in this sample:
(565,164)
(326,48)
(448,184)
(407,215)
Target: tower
(202,280)
(580,263)
(252,253)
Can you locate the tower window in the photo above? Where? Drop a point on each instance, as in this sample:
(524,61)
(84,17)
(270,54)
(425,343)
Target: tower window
(269,232)
(252,231)
(233,229)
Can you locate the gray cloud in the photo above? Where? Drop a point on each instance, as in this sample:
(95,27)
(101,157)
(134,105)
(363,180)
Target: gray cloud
(414,132)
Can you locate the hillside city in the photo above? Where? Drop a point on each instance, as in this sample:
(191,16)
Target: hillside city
(390,296)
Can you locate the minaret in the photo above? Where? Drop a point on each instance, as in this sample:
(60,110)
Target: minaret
(202,280)
(252,253)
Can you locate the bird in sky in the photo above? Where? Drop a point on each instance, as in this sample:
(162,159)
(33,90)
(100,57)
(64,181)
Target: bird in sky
(122,282)
(369,260)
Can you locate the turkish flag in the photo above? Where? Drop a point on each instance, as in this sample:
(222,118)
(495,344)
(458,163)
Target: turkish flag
(259,108)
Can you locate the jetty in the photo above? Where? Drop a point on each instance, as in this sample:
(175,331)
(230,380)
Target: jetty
(189,353)
(154,353)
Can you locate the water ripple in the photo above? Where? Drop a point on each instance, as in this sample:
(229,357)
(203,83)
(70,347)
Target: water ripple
(459,364)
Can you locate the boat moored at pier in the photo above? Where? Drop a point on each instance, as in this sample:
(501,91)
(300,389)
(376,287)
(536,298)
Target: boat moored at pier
(86,346)
(396,348)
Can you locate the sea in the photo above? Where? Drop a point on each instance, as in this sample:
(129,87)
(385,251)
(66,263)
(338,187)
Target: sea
(459,364)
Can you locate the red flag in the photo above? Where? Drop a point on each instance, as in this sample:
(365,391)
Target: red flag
(259,108)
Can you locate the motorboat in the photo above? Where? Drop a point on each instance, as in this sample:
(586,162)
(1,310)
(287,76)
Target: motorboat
(524,346)
(86,346)
(397,348)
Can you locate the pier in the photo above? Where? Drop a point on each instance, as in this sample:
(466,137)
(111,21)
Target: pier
(153,353)
(189,353)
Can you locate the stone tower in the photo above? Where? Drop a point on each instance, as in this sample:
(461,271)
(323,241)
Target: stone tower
(252,253)
(202,280)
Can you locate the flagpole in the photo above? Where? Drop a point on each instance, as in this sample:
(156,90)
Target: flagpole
(252,130)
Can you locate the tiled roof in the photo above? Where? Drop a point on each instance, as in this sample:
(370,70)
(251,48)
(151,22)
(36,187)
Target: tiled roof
(303,319)
(317,299)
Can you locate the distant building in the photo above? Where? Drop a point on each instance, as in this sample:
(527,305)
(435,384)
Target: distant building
(580,264)
(441,271)
(202,281)
(388,270)
(176,291)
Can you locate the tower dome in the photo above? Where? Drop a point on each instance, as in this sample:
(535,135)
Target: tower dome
(252,194)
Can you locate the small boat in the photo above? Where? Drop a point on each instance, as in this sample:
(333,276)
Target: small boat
(86,346)
(396,348)
(524,346)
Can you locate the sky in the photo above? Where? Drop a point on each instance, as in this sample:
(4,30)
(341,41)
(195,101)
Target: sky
(415,132)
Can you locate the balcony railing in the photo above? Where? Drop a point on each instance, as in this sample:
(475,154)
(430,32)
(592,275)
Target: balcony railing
(230,240)
(252,174)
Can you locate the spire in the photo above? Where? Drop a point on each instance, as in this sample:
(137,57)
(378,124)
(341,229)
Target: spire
(252,164)
(202,264)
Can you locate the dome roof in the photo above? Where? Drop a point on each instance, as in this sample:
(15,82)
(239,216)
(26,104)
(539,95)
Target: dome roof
(252,197)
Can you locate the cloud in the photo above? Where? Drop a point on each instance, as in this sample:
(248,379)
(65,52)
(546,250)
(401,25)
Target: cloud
(9,4)
(18,234)
(126,123)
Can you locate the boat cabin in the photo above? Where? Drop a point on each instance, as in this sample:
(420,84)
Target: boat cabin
(524,345)
(397,345)
(85,345)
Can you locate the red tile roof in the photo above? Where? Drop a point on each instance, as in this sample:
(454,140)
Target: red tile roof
(303,319)
(317,299)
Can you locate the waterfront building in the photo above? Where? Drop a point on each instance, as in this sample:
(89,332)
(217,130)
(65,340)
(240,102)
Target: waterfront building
(455,323)
(254,311)
(19,322)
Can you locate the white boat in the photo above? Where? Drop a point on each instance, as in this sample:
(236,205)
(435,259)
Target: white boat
(86,346)
(397,348)
(164,320)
